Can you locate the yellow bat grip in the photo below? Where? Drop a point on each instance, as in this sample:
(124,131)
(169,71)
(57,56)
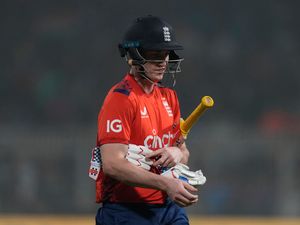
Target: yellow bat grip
(206,102)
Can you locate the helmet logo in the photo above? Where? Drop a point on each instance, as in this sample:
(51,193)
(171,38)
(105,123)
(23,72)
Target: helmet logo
(167,35)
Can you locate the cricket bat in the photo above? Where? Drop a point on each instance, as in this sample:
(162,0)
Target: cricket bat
(186,125)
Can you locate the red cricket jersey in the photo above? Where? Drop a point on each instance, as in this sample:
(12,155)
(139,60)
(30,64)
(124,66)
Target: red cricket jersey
(130,116)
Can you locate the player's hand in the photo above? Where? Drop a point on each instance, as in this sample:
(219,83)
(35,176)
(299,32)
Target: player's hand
(181,192)
(166,157)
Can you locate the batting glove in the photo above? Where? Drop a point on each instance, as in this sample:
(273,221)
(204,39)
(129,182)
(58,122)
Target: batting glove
(136,155)
(182,172)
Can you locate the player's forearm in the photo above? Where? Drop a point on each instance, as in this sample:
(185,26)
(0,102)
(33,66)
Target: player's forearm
(185,154)
(116,165)
(125,172)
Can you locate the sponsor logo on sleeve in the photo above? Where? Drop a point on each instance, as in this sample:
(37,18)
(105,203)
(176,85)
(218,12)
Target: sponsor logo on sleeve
(114,126)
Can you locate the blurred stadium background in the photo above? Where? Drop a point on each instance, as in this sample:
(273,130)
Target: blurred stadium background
(59,58)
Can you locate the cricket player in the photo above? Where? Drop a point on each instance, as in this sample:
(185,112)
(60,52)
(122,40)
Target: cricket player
(141,111)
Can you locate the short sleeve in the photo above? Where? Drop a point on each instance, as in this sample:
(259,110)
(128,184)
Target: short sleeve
(115,119)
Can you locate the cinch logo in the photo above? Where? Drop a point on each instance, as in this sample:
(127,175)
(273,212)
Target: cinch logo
(114,126)
(156,142)
(167,35)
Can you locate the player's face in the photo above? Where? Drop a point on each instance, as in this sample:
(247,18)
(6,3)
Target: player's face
(157,64)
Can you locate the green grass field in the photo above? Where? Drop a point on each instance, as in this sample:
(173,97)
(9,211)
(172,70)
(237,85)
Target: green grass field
(89,220)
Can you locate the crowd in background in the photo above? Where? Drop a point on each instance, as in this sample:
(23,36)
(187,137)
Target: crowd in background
(58,59)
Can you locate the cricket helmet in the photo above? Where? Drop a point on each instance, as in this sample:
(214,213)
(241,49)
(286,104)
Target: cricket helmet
(149,33)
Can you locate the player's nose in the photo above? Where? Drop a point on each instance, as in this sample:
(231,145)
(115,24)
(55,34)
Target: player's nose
(162,63)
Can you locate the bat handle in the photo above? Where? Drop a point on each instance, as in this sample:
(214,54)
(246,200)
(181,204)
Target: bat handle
(206,102)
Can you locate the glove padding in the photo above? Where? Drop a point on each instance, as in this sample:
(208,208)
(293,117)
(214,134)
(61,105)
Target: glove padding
(136,155)
(182,172)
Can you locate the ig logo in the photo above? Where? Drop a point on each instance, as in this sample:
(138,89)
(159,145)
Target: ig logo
(114,126)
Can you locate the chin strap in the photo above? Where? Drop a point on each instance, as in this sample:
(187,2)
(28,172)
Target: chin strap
(160,83)
(143,75)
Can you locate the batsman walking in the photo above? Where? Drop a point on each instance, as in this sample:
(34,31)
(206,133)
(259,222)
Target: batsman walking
(138,126)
